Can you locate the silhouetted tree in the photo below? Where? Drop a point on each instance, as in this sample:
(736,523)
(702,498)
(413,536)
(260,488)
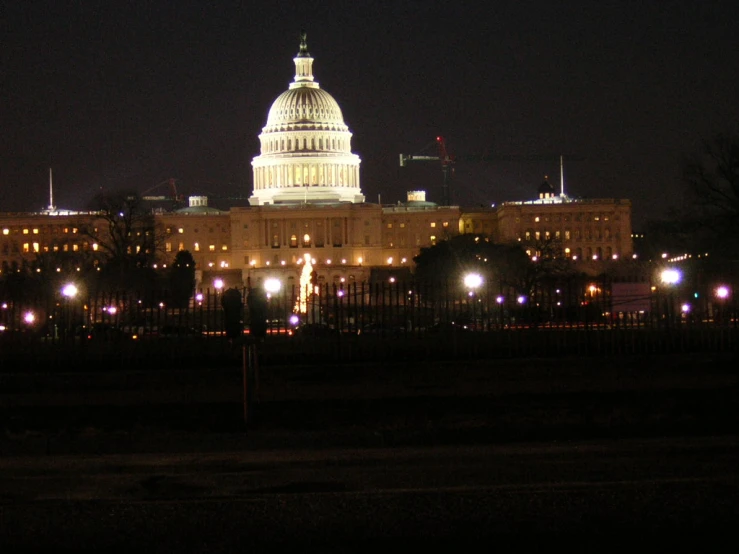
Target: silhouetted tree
(181,279)
(709,219)
(507,265)
(127,240)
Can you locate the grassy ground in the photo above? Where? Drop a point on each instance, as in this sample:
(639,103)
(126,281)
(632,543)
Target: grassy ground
(373,404)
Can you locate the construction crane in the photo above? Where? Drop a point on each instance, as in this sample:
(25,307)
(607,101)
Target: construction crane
(447,166)
(171,183)
(448,161)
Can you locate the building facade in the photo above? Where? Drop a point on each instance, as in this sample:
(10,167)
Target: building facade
(307,201)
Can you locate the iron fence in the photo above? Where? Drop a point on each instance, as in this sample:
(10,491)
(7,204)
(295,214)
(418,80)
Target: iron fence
(357,321)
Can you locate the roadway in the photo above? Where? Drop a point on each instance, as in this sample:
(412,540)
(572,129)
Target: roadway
(601,492)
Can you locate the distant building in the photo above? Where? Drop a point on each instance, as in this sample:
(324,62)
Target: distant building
(306,199)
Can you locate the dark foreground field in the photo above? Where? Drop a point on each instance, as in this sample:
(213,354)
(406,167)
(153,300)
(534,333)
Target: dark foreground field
(350,457)
(369,405)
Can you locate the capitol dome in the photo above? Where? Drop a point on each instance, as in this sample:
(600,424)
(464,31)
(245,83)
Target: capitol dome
(306,152)
(305,105)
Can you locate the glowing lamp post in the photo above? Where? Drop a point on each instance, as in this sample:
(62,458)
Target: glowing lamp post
(670,278)
(272,286)
(69,292)
(472,282)
(722,293)
(218,285)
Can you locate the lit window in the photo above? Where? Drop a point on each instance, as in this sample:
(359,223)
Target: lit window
(224,247)
(180,230)
(536,219)
(25,231)
(433,224)
(35,231)
(36,247)
(168,247)
(197,247)
(211,247)
(6,231)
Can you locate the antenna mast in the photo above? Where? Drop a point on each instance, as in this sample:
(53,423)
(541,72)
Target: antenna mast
(561,176)
(51,194)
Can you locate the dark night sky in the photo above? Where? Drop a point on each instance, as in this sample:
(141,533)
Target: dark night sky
(128,96)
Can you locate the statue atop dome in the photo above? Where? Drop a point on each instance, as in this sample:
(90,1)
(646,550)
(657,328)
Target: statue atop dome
(303,52)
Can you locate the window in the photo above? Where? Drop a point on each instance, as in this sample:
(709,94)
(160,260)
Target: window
(168,247)
(567,234)
(197,247)
(180,230)
(433,224)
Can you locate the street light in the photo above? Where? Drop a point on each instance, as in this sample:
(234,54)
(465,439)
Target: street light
(473,281)
(69,291)
(722,293)
(670,278)
(272,286)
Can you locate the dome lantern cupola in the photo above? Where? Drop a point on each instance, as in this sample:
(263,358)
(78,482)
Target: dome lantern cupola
(303,65)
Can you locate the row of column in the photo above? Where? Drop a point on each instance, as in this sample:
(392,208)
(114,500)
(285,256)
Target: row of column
(284,234)
(298,175)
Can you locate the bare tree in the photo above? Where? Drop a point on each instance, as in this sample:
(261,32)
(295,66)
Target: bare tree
(710,216)
(127,238)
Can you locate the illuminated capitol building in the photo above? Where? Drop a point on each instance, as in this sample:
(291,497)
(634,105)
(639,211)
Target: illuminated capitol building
(307,200)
